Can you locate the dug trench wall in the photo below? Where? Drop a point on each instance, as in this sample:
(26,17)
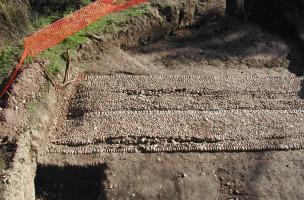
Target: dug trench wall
(17,182)
(163,18)
(28,113)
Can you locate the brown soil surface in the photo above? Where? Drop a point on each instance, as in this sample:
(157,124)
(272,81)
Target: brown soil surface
(261,175)
(202,113)
(254,104)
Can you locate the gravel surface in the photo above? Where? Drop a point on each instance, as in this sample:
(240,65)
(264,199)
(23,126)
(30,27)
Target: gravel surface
(182,114)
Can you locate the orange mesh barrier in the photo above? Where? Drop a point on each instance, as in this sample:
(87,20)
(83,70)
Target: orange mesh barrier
(65,27)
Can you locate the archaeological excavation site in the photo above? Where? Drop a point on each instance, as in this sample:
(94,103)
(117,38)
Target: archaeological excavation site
(152,99)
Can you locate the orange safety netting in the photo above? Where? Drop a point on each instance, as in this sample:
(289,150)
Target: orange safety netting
(65,27)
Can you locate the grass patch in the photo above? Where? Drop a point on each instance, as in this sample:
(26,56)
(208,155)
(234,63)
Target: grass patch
(57,62)
(137,11)
(8,57)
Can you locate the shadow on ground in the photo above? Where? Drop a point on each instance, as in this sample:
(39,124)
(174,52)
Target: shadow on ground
(70,182)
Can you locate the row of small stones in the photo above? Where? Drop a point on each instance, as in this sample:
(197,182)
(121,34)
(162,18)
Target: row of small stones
(94,113)
(233,101)
(135,140)
(223,77)
(224,148)
(96,150)
(192,112)
(92,151)
(166,142)
(156,127)
(122,92)
(76,142)
(143,139)
(194,79)
(137,109)
(196,86)
(199,105)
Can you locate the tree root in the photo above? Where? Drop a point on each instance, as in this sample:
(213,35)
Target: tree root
(94,36)
(50,77)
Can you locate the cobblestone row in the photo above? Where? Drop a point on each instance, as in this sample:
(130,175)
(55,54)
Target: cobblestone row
(232,146)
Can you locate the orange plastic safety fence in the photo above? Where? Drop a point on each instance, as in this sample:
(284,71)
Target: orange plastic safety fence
(65,27)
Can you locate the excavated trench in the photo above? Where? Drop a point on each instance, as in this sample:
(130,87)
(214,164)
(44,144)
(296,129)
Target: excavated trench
(205,82)
(70,182)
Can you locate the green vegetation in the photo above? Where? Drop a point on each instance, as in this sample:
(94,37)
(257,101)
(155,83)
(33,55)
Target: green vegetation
(57,62)
(15,17)
(56,7)
(43,21)
(44,14)
(109,24)
(15,21)
(8,57)
(14,24)
(137,11)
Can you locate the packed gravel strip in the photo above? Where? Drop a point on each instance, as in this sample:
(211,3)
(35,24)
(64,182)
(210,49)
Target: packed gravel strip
(114,93)
(127,114)
(115,101)
(208,125)
(196,83)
